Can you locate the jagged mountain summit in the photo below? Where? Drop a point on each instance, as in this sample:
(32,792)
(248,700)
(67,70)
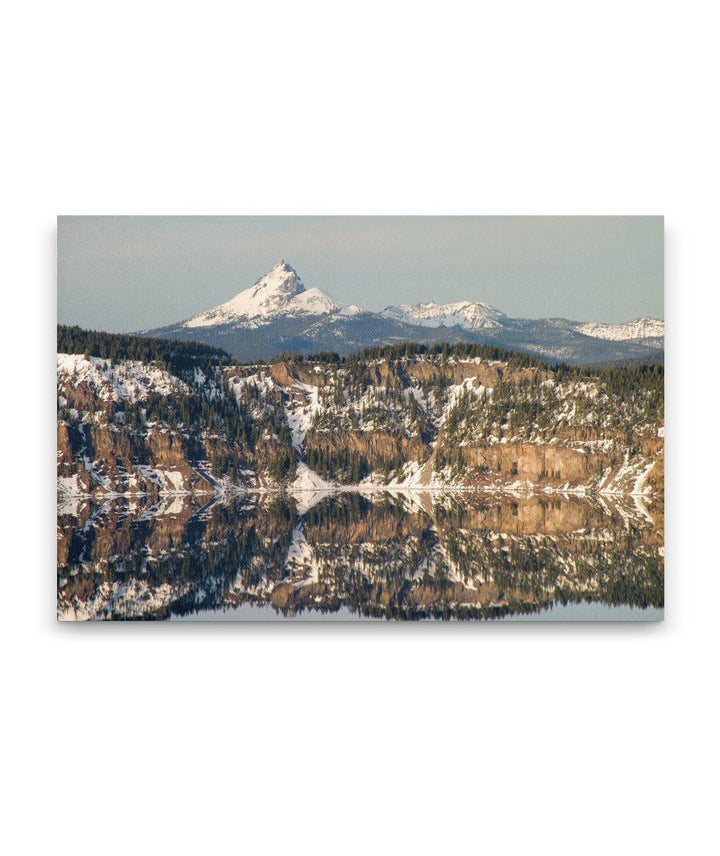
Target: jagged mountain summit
(279,292)
(278,313)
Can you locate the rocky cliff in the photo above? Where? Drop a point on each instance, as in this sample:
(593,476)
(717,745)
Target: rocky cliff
(402,417)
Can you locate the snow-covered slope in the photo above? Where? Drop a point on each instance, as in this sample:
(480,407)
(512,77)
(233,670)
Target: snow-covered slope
(469,316)
(279,292)
(127,380)
(642,328)
(352,310)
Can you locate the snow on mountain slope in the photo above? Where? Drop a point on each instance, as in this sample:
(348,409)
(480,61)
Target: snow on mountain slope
(352,310)
(128,380)
(470,316)
(642,328)
(279,292)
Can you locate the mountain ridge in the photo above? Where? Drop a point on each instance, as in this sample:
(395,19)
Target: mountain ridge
(278,314)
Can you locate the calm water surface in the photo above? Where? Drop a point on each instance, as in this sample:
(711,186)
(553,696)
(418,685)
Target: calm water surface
(353,556)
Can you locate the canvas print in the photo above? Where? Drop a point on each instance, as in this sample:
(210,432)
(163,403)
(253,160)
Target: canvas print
(360,418)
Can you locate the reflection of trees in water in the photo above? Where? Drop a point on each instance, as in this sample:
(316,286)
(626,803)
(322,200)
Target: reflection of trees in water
(128,564)
(387,555)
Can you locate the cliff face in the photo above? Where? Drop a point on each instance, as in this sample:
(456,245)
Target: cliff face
(102,457)
(376,444)
(127,427)
(558,467)
(438,421)
(537,464)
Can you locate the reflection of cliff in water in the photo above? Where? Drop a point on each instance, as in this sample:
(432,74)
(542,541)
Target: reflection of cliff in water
(408,556)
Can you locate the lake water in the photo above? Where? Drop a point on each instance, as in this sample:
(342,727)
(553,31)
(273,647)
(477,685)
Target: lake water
(362,556)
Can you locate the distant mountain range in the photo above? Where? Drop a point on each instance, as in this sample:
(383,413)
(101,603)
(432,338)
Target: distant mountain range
(279,314)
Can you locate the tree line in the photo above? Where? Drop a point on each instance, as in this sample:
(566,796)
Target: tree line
(175,357)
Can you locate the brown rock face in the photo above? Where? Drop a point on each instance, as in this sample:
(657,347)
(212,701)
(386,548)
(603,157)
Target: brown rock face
(541,464)
(286,374)
(120,458)
(372,444)
(487,374)
(167,449)
(65,456)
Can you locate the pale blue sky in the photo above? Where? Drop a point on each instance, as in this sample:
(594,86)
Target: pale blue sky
(128,273)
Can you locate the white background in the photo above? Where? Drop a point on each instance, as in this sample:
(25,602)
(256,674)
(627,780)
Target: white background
(389,739)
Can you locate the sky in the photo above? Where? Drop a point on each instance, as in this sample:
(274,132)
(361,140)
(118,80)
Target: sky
(123,274)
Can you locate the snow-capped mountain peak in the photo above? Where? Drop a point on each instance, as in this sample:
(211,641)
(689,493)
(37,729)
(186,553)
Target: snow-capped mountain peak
(470,316)
(282,280)
(279,292)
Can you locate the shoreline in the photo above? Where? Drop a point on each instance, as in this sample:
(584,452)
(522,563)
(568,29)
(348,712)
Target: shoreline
(399,489)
